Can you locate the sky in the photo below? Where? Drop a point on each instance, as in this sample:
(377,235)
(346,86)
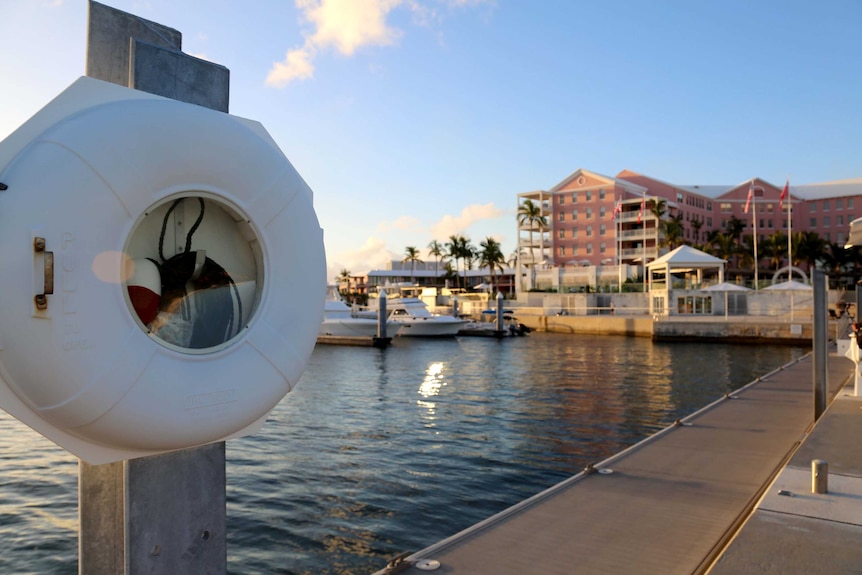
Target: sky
(412,120)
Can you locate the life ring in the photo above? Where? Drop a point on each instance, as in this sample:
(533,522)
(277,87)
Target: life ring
(85,370)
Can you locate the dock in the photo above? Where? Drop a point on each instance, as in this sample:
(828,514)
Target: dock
(379,342)
(695,497)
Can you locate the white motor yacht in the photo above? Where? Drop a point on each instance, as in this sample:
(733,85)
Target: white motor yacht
(416,321)
(340,321)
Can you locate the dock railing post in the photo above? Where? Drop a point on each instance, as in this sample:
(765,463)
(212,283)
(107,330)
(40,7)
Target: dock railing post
(820,377)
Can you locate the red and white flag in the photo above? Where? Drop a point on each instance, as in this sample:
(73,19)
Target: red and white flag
(617,208)
(643,205)
(783,195)
(750,195)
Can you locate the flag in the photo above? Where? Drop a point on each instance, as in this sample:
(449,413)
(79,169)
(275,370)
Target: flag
(783,195)
(617,209)
(643,205)
(750,195)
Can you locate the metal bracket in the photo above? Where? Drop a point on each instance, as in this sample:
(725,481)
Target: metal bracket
(41,299)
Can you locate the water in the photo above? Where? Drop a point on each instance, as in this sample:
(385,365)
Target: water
(376,453)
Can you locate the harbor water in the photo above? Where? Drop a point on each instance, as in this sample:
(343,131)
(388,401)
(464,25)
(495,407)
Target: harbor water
(377,452)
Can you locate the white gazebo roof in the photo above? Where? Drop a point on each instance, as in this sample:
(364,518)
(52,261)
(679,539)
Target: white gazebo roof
(687,257)
(684,259)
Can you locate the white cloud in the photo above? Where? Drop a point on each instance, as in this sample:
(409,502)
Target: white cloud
(449,225)
(401,223)
(373,254)
(345,25)
(348,25)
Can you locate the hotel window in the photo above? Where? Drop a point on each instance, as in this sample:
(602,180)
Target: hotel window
(840,239)
(562,216)
(602,212)
(561,234)
(574,197)
(769,224)
(602,230)
(709,222)
(762,224)
(562,250)
(589,249)
(825,205)
(709,206)
(574,215)
(726,208)
(589,213)
(839,204)
(574,232)
(562,200)
(839,220)
(825,221)
(812,207)
(679,197)
(849,203)
(601,194)
(602,248)
(589,231)
(813,222)
(769,208)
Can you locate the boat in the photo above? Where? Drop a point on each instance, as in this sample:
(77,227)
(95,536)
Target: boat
(488,327)
(339,320)
(414,318)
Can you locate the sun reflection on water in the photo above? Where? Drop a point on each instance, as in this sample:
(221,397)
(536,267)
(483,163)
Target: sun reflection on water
(432,383)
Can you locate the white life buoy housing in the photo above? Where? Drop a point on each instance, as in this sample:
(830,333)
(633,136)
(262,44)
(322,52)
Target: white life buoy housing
(91,180)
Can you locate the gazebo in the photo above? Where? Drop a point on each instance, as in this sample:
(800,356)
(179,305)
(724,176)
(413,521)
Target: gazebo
(691,264)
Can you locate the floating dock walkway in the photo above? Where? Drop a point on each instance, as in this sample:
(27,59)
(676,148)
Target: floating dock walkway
(674,502)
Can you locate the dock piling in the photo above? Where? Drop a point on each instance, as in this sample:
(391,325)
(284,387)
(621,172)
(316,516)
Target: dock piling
(819,476)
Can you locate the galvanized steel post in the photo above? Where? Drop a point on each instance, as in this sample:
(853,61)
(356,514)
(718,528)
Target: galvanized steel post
(819,476)
(819,282)
(381,315)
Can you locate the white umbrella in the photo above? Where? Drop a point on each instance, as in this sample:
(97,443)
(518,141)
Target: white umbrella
(789,285)
(726,286)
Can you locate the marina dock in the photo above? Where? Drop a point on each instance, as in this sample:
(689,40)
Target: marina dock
(694,496)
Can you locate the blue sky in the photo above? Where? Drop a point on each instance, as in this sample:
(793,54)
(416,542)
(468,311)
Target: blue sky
(415,119)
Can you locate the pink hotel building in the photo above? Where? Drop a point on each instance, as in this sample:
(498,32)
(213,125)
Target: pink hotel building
(582,229)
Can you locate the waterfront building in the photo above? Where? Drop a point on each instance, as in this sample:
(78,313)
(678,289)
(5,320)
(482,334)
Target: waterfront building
(597,220)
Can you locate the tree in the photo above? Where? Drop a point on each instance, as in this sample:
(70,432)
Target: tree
(673,229)
(436,249)
(810,247)
(411,254)
(453,250)
(696,225)
(491,256)
(530,214)
(735,226)
(344,276)
(722,245)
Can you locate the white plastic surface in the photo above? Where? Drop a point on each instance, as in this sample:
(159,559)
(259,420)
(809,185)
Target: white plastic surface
(84,373)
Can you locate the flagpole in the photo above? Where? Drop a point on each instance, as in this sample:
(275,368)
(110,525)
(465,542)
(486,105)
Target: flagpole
(754,227)
(789,233)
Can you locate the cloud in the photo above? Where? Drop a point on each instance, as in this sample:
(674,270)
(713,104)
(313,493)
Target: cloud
(449,225)
(348,25)
(373,254)
(345,25)
(401,223)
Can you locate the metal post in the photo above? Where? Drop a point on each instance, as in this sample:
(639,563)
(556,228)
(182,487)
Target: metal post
(499,312)
(382,316)
(166,513)
(819,342)
(819,476)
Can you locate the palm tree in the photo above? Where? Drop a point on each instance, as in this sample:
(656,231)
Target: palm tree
(721,245)
(810,247)
(344,276)
(491,256)
(735,226)
(411,254)
(673,228)
(531,215)
(436,249)
(453,250)
(696,225)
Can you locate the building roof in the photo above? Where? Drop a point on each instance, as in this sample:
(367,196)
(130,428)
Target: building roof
(581,172)
(687,256)
(818,191)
